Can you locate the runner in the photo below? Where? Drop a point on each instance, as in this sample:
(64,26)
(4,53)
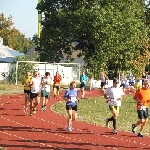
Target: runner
(142,97)
(123,81)
(56,86)
(131,81)
(46,82)
(143,77)
(71,104)
(113,96)
(83,80)
(103,80)
(35,84)
(26,83)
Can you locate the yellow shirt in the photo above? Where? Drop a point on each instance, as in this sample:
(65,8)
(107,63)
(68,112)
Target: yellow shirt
(26,83)
(137,86)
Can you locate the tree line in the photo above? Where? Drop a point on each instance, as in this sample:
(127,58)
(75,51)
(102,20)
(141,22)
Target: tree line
(113,36)
(12,37)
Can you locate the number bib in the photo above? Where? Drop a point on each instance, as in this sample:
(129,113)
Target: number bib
(143,108)
(73,99)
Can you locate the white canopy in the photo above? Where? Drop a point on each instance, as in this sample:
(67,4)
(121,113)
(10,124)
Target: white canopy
(5,52)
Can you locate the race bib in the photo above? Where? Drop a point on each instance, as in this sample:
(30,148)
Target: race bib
(143,108)
(73,99)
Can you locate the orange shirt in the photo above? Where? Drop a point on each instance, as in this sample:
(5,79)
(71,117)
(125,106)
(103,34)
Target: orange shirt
(57,79)
(143,95)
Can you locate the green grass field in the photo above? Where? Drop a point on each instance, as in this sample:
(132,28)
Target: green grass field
(95,111)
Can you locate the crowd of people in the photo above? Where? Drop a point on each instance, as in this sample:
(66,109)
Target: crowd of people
(36,88)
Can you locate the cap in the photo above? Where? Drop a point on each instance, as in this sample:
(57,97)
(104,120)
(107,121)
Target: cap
(115,80)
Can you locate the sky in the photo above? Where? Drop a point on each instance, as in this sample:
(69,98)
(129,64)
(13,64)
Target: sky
(25,16)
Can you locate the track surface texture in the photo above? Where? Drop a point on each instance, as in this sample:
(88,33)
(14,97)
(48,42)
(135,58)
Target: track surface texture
(47,130)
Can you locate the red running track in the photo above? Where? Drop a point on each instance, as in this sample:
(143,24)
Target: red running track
(47,130)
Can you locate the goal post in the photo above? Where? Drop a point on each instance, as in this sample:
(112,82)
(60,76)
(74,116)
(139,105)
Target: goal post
(68,71)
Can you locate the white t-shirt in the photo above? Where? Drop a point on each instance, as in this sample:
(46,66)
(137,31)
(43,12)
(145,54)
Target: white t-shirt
(114,95)
(123,79)
(46,86)
(148,77)
(102,78)
(36,85)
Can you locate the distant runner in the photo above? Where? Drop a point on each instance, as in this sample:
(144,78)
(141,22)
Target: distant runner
(46,82)
(27,89)
(56,86)
(83,80)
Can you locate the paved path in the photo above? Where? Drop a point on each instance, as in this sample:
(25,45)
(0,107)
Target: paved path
(47,130)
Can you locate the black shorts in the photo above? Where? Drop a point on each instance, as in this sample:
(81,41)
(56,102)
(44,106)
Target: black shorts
(34,95)
(111,107)
(27,91)
(143,114)
(122,85)
(131,83)
(82,85)
(56,86)
(103,84)
(71,107)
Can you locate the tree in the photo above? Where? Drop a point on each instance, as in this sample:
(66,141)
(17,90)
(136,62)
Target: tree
(109,33)
(12,37)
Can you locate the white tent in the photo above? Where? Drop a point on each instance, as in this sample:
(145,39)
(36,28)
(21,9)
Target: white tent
(5,52)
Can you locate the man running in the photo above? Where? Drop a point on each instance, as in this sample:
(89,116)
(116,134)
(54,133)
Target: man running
(35,84)
(71,104)
(123,81)
(56,86)
(113,96)
(46,82)
(142,98)
(83,80)
(26,83)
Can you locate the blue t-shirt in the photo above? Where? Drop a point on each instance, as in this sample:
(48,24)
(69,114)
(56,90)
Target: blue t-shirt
(72,95)
(83,79)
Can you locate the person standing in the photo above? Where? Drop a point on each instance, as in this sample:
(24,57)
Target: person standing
(56,85)
(113,96)
(142,98)
(35,84)
(46,82)
(71,99)
(83,80)
(26,83)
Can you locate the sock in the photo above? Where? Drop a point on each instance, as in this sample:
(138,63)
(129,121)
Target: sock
(110,119)
(114,124)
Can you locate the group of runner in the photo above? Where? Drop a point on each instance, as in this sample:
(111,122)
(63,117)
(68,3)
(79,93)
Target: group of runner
(113,95)
(36,87)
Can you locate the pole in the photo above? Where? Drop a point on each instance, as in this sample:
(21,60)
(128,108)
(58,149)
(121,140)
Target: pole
(39,21)
(16,72)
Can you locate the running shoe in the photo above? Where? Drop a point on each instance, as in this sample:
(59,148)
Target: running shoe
(30,114)
(140,135)
(34,110)
(115,131)
(133,128)
(69,128)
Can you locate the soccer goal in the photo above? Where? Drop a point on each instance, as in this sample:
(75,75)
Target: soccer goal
(68,71)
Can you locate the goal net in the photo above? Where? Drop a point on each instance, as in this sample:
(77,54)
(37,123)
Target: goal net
(68,71)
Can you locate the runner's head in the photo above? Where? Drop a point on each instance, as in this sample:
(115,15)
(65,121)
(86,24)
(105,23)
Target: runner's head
(27,73)
(83,73)
(57,73)
(115,82)
(35,73)
(146,84)
(47,74)
(72,84)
